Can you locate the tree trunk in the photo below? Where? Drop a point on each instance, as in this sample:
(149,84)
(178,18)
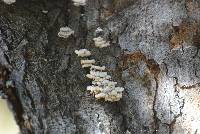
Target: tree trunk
(153,55)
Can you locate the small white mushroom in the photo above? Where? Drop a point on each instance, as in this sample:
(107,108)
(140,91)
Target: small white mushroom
(65,32)
(119,95)
(99,74)
(98,67)
(100,95)
(9,1)
(83,52)
(96,83)
(108,83)
(88,61)
(107,44)
(91,76)
(109,98)
(107,89)
(95,78)
(113,93)
(79,2)
(98,78)
(45,11)
(86,65)
(105,82)
(113,97)
(100,42)
(98,39)
(94,89)
(111,83)
(107,77)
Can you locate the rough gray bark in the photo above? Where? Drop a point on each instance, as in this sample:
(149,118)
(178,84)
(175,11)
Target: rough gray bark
(154,55)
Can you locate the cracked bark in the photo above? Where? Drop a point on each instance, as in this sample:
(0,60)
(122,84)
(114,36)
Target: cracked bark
(154,55)
(156,119)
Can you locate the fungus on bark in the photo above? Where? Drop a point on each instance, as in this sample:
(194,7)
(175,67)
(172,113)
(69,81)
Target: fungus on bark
(102,86)
(65,32)
(100,42)
(87,63)
(9,1)
(83,52)
(79,2)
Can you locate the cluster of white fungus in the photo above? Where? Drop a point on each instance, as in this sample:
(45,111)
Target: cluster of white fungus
(65,32)
(83,52)
(79,2)
(102,86)
(100,42)
(9,1)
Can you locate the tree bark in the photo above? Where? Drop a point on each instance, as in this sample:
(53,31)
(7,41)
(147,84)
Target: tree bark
(154,55)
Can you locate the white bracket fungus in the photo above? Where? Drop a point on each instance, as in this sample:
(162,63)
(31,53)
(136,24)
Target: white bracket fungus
(100,96)
(45,11)
(100,42)
(79,2)
(91,76)
(87,61)
(9,1)
(99,74)
(83,53)
(107,77)
(65,32)
(86,65)
(98,68)
(94,89)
